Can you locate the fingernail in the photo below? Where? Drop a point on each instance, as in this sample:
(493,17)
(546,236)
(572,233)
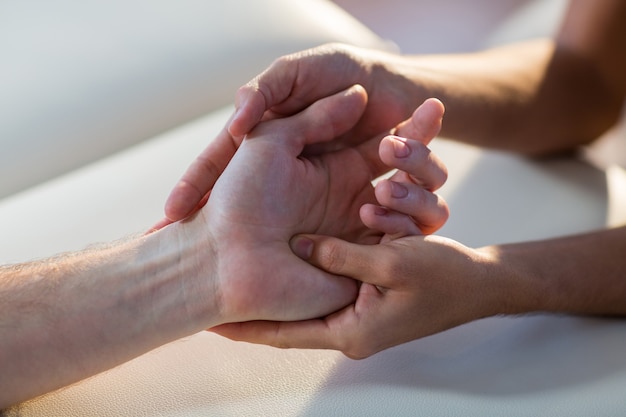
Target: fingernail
(302,246)
(400,148)
(398,190)
(229,124)
(381,211)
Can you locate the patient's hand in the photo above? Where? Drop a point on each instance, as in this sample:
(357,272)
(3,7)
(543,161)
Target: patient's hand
(288,86)
(270,192)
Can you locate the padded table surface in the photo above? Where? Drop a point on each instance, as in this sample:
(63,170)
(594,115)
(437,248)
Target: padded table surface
(537,365)
(81,80)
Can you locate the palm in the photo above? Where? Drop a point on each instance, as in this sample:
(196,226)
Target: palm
(348,186)
(266,195)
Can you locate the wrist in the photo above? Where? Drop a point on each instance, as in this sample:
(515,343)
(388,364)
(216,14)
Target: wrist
(514,287)
(404,80)
(186,253)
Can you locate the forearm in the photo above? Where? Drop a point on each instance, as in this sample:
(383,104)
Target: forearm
(583,274)
(531,97)
(64,319)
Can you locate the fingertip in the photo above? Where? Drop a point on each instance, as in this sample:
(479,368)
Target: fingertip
(250,105)
(238,125)
(331,117)
(436,104)
(302,246)
(158,226)
(432,115)
(425,122)
(177,205)
(357,89)
(234,124)
(324,252)
(369,213)
(392,148)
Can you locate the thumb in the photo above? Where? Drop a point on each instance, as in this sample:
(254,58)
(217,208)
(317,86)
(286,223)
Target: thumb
(332,116)
(425,123)
(339,257)
(250,105)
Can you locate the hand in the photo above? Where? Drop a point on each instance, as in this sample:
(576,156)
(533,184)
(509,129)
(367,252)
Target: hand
(411,287)
(408,204)
(288,86)
(269,192)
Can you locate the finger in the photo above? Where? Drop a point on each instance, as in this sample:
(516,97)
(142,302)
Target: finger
(252,100)
(323,121)
(272,87)
(333,116)
(188,194)
(389,222)
(414,158)
(307,334)
(430,211)
(159,225)
(353,330)
(369,150)
(425,123)
(343,258)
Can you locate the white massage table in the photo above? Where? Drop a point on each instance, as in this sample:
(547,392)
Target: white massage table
(538,365)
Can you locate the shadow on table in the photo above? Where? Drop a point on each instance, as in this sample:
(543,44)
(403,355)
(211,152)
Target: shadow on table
(507,198)
(498,356)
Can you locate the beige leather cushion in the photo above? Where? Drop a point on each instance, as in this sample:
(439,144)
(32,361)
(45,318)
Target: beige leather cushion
(80,80)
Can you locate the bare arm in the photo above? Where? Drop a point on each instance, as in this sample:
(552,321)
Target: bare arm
(582,274)
(538,96)
(75,315)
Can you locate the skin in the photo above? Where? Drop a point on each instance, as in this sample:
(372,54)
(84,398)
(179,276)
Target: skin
(60,318)
(537,98)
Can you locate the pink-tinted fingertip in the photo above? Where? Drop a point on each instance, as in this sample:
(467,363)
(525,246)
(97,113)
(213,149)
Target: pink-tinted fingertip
(302,246)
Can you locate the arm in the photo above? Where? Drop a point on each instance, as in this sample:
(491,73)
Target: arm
(66,318)
(582,274)
(539,96)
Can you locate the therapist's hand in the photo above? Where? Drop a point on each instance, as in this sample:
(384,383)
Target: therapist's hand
(289,85)
(411,287)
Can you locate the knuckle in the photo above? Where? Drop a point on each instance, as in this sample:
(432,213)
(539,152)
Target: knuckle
(439,172)
(390,267)
(276,340)
(436,217)
(283,61)
(421,153)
